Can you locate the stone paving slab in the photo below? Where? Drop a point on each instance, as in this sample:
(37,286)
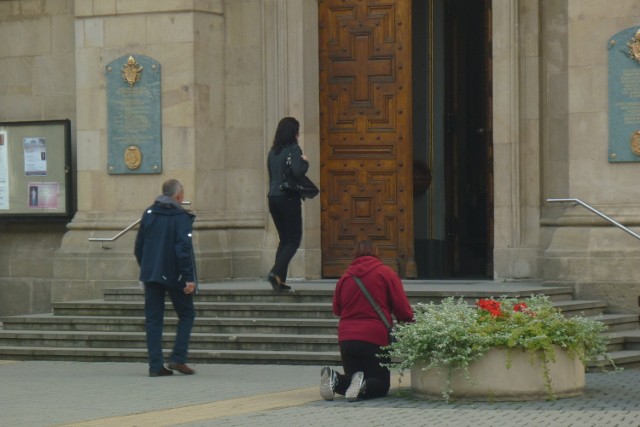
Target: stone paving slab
(35,394)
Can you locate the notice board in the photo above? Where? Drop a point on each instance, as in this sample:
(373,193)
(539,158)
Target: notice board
(35,169)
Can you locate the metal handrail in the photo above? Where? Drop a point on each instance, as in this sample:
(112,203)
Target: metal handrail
(123,232)
(117,236)
(597,212)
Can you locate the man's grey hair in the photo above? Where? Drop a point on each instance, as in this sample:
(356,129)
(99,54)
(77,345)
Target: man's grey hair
(171,188)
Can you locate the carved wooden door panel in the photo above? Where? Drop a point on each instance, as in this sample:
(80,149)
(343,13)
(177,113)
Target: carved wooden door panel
(365,131)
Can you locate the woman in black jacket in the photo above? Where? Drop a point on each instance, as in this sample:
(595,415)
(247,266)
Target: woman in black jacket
(285,207)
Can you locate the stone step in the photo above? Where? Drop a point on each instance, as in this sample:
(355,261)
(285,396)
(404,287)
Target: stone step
(318,310)
(314,310)
(618,322)
(49,322)
(625,358)
(622,358)
(234,295)
(624,340)
(581,307)
(237,324)
(195,356)
(435,293)
(199,341)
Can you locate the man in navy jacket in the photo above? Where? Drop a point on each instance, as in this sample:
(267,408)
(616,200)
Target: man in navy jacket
(164,253)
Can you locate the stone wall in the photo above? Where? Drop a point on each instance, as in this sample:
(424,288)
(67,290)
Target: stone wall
(579,247)
(230,71)
(37,64)
(232,68)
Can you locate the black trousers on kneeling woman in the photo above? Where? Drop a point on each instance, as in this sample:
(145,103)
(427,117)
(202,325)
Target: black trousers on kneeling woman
(366,357)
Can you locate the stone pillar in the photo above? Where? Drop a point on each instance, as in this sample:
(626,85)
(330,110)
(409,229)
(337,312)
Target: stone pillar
(230,71)
(515,138)
(291,89)
(187,39)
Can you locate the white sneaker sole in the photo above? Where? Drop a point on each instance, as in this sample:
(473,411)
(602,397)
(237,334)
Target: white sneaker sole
(325,385)
(354,388)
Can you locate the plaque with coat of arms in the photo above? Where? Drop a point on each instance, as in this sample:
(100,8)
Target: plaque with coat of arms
(624,95)
(134,115)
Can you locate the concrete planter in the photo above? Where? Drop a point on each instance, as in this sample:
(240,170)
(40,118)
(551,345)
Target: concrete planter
(491,380)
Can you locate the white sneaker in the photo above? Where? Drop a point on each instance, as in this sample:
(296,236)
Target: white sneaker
(328,382)
(356,388)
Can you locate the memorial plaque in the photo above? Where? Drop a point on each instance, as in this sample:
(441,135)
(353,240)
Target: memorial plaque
(624,96)
(134,116)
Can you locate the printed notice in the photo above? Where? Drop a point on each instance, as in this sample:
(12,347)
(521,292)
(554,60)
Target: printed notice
(43,195)
(4,171)
(35,157)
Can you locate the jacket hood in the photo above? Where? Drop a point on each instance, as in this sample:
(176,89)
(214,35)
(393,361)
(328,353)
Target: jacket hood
(165,205)
(363,265)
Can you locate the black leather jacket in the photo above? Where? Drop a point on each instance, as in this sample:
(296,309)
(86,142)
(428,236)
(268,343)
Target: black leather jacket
(276,164)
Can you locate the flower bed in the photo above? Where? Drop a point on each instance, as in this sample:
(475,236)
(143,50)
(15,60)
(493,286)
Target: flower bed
(451,335)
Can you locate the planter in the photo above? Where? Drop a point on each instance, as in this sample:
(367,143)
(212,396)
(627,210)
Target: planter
(491,380)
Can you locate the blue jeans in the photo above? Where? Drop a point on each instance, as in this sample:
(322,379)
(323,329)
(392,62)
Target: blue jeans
(154,294)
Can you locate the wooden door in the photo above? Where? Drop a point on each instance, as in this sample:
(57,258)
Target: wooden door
(365,131)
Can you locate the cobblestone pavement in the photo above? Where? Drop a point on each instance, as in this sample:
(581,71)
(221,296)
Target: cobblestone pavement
(120,394)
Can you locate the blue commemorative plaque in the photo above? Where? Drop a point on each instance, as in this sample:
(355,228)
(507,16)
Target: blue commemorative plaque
(134,122)
(624,96)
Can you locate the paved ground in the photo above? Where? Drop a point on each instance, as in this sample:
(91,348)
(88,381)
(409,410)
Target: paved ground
(121,394)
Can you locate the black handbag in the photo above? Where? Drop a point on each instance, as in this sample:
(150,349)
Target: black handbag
(376,307)
(302,185)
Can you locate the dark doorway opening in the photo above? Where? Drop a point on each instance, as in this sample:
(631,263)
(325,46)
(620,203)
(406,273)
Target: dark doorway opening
(453,216)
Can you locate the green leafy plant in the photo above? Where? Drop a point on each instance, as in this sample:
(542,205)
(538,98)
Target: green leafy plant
(453,333)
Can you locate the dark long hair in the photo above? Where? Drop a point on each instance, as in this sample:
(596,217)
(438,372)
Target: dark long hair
(286,134)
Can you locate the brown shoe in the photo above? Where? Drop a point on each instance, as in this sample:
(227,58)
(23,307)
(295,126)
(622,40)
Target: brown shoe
(161,373)
(183,369)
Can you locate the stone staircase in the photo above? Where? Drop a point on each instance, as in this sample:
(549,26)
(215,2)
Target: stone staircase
(245,322)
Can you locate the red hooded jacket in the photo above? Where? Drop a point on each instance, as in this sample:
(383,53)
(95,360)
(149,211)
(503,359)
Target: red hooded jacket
(358,320)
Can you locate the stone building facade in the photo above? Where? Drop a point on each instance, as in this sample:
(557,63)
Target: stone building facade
(232,68)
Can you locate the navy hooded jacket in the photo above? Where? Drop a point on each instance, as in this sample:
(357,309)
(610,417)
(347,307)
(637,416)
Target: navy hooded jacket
(163,246)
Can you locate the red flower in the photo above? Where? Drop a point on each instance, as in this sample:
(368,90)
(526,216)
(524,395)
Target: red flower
(490,305)
(522,307)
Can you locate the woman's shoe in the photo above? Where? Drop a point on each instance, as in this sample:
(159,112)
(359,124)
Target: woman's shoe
(275,281)
(284,288)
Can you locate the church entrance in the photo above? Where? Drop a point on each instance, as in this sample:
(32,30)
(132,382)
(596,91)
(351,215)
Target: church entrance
(405,114)
(452,146)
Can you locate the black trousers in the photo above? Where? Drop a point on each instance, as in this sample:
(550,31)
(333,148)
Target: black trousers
(286,212)
(366,357)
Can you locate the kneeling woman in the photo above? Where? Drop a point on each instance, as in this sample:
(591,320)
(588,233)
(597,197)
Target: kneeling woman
(361,331)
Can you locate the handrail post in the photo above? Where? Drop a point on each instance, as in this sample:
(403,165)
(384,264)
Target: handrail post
(597,212)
